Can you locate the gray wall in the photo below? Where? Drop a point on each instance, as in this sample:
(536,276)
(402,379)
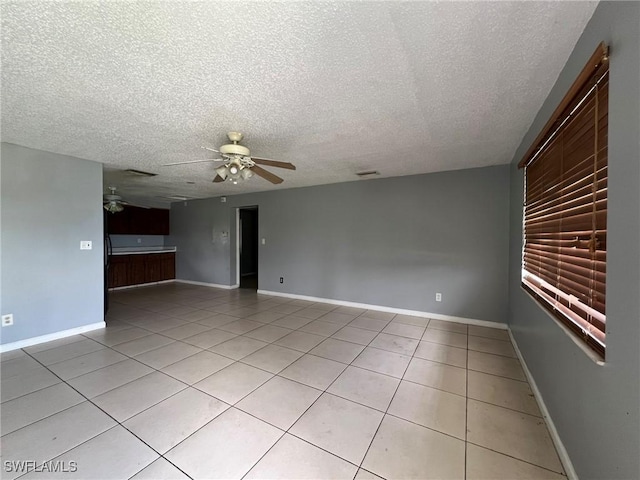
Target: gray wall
(595,408)
(393,242)
(132,240)
(49,204)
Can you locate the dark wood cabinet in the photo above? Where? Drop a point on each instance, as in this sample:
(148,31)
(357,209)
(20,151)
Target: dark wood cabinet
(125,270)
(138,221)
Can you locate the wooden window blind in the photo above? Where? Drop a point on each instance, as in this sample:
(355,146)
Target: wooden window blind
(565,208)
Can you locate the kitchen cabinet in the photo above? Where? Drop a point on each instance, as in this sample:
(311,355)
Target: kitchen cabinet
(136,269)
(138,221)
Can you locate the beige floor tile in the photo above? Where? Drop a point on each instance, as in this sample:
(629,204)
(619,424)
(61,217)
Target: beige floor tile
(216,320)
(382,361)
(195,316)
(431,408)
(448,326)
(395,343)
(144,344)
(350,310)
(312,313)
(113,454)
(162,325)
(29,382)
(483,464)
(54,435)
(338,318)
(355,335)
(403,449)
(18,366)
(503,392)
(90,362)
(279,402)
(404,330)
(171,353)
(102,380)
(366,387)
(516,434)
(11,354)
(437,375)
(490,345)
(378,315)
(337,350)
(339,426)
(265,316)
(318,327)
(111,338)
(301,341)
(445,337)
(366,475)
(41,347)
(292,322)
(226,448)
(313,371)
(197,367)
(268,333)
(292,458)
(495,333)
(186,411)
(234,382)
(35,406)
(238,347)
(436,352)
(286,308)
(65,352)
(130,399)
(241,326)
(369,324)
(186,330)
(160,470)
(496,365)
(272,358)
(209,338)
(412,320)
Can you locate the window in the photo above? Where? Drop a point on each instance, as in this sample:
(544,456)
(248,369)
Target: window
(565,207)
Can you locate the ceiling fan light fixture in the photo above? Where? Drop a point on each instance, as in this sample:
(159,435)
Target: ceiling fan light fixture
(246,173)
(233,169)
(113,207)
(223,172)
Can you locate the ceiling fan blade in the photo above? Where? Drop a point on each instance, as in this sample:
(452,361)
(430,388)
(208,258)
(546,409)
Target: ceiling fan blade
(194,161)
(273,163)
(266,175)
(218,179)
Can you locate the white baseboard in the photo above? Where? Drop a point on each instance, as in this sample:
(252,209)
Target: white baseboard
(555,436)
(7,347)
(204,284)
(126,287)
(401,311)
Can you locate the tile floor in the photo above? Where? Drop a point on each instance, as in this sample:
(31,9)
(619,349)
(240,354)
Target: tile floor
(195,382)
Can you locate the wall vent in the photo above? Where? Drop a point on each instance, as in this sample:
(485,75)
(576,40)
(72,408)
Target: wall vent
(140,173)
(368,173)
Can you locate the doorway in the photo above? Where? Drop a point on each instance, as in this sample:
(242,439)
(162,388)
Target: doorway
(248,247)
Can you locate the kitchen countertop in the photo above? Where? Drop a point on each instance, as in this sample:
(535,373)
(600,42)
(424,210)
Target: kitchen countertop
(141,250)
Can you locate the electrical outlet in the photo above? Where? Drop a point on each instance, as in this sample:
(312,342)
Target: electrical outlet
(139,240)
(438,297)
(7,320)
(281,279)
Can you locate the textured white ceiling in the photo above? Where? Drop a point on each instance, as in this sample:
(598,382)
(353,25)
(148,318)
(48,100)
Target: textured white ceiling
(333,87)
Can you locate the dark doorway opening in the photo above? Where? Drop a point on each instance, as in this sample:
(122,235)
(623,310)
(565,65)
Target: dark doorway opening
(248,248)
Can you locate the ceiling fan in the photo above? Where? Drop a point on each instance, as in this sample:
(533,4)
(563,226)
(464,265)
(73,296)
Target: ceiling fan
(239,164)
(114,203)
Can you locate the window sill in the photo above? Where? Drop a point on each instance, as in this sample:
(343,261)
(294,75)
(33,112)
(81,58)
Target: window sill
(592,355)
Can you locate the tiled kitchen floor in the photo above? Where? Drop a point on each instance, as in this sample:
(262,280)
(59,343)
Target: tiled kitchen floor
(196,382)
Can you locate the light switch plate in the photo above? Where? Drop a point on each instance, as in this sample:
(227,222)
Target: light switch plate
(86,245)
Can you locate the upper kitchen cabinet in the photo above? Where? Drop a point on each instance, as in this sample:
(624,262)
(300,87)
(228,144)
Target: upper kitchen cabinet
(139,221)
